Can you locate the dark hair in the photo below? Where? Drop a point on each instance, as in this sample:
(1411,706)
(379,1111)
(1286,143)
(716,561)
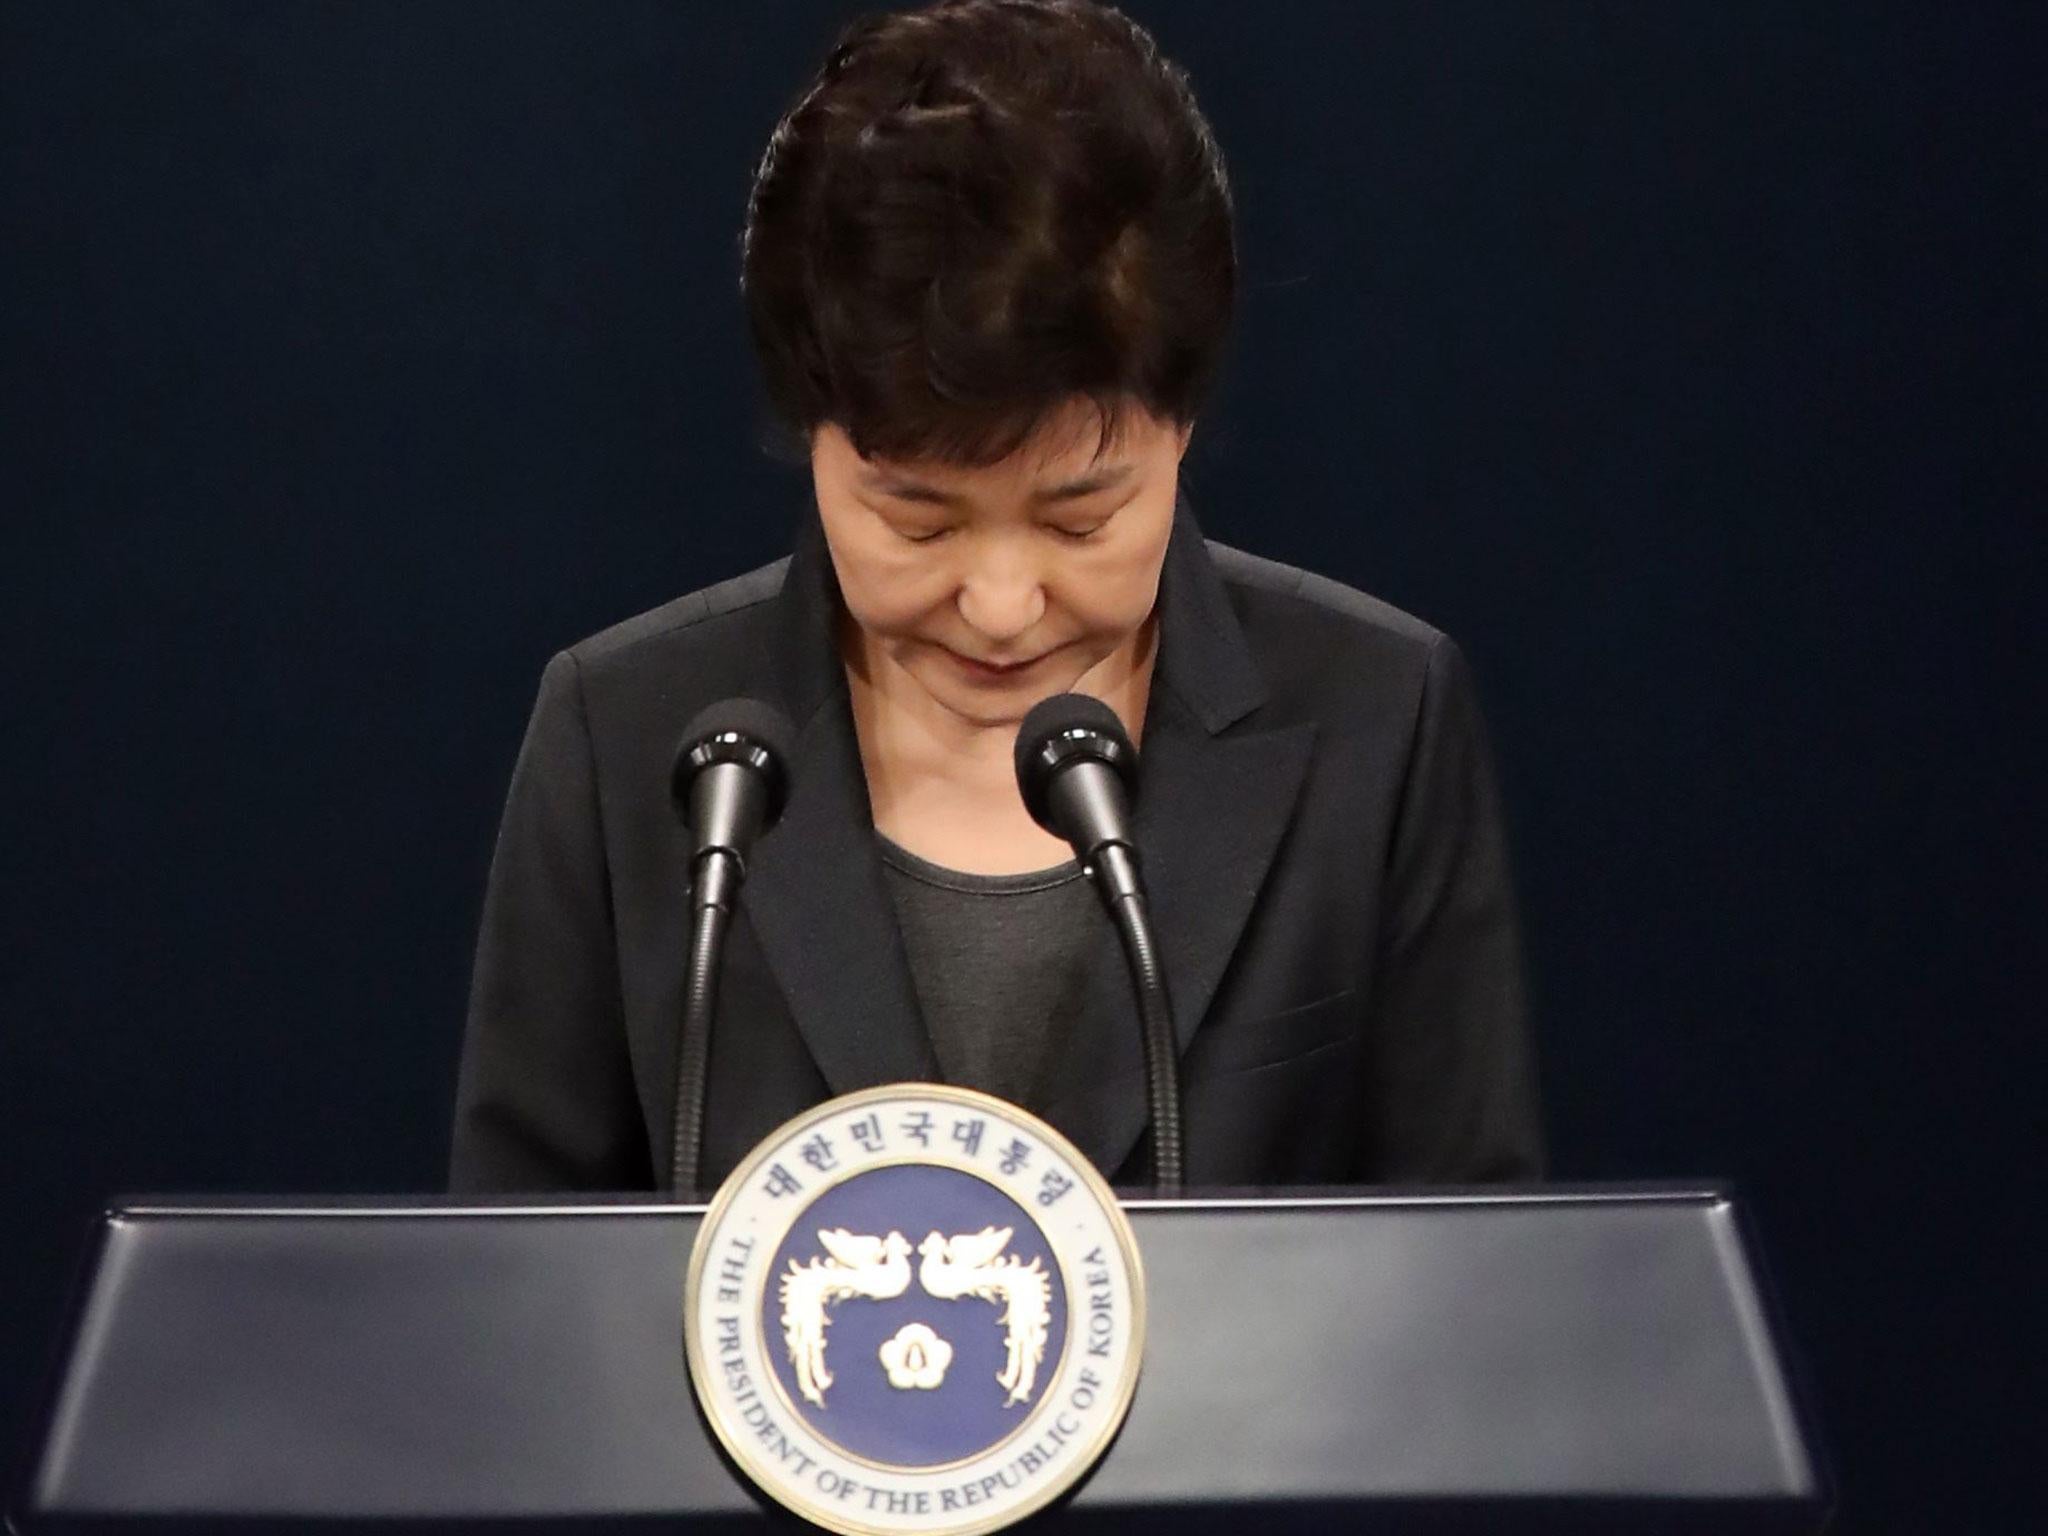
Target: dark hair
(978,212)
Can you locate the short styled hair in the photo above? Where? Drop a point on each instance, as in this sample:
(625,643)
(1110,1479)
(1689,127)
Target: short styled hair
(978,212)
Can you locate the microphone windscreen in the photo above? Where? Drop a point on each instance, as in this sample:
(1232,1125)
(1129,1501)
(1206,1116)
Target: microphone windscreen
(755,719)
(1060,729)
(737,730)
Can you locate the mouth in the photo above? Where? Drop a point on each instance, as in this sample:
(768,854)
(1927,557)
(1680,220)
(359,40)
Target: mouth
(985,671)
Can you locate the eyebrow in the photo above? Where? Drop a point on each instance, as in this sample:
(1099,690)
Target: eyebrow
(912,490)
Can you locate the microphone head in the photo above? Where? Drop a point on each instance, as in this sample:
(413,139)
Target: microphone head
(1068,728)
(754,734)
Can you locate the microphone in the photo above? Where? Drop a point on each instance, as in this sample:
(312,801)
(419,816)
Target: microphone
(729,783)
(1078,772)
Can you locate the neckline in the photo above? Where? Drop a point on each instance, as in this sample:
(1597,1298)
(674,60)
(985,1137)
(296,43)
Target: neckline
(972,882)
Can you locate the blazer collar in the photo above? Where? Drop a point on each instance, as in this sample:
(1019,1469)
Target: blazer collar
(1215,794)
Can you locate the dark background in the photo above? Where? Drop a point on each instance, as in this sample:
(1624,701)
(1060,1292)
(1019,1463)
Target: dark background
(1679,359)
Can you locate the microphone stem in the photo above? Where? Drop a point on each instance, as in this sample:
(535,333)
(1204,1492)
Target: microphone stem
(1162,1076)
(718,877)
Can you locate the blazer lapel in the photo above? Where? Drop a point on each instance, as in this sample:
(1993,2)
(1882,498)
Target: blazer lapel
(1214,800)
(815,893)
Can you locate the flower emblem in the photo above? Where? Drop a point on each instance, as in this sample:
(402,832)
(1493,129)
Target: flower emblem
(916,1357)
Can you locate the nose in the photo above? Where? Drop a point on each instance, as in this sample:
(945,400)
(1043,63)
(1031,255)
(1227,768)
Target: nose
(1001,596)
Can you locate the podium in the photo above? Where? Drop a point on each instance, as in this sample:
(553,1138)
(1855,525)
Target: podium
(1597,1359)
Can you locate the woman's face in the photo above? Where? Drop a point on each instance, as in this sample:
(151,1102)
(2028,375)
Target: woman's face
(986,590)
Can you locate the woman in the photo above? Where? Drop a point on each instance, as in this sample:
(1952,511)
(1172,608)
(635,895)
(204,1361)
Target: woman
(989,267)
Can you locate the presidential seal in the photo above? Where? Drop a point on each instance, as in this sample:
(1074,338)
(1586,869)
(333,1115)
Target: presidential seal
(914,1309)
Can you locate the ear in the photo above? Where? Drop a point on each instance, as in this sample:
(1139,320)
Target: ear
(1186,432)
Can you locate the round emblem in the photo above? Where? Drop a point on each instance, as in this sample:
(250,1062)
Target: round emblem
(914,1308)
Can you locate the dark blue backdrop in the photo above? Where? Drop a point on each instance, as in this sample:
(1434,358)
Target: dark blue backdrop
(1680,359)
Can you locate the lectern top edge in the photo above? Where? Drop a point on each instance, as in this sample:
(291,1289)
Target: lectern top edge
(370,1206)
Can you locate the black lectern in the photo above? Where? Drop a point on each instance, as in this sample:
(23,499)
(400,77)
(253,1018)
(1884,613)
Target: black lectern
(1582,1360)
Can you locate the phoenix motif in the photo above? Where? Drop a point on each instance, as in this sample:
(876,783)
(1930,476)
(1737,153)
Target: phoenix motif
(875,1267)
(878,1268)
(969,1265)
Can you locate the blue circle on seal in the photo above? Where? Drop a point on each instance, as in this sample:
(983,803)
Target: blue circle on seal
(923,1220)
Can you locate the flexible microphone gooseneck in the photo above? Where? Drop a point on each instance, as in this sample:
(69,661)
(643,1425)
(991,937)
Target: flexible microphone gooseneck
(730,782)
(1078,771)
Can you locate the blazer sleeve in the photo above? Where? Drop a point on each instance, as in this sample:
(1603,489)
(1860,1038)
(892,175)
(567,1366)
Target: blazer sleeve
(1453,1074)
(544,1097)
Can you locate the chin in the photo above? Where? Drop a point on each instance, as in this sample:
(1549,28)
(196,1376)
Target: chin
(994,706)
(985,711)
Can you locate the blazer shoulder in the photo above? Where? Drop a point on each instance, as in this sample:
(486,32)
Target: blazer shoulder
(1278,603)
(695,616)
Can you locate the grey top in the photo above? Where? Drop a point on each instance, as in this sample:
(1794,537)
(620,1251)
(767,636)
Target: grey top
(998,961)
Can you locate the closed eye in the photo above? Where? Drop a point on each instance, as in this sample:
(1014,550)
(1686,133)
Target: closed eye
(1081,530)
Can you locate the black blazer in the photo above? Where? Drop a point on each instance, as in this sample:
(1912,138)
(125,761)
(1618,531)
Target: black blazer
(1321,840)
